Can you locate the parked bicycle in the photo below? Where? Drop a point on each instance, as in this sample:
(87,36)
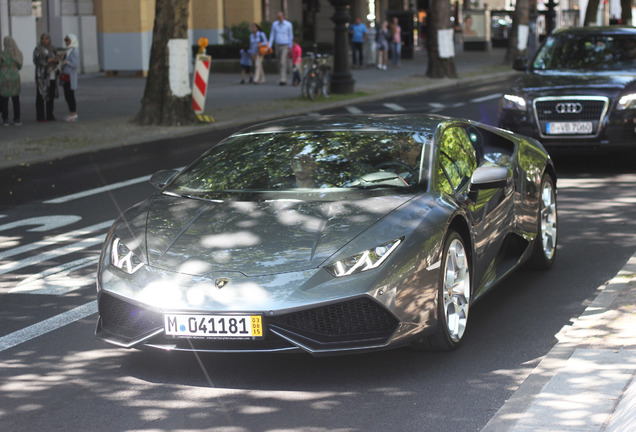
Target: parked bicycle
(316,78)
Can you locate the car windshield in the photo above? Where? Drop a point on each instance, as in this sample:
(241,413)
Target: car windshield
(593,52)
(308,162)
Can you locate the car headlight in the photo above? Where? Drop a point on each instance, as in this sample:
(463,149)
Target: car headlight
(627,101)
(367,260)
(510,101)
(122,258)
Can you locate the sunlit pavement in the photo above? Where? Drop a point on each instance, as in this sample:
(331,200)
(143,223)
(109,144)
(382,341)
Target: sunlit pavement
(586,382)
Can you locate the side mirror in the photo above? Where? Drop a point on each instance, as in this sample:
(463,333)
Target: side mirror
(520,64)
(161,178)
(490,177)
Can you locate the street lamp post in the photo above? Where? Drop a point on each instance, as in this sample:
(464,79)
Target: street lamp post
(550,16)
(341,79)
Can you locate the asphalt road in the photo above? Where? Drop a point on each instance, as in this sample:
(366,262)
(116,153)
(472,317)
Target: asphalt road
(55,376)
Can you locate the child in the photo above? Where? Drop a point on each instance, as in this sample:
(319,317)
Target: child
(297,54)
(246,65)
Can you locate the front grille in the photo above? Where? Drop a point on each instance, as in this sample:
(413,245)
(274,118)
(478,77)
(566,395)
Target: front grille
(351,321)
(125,318)
(570,109)
(559,117)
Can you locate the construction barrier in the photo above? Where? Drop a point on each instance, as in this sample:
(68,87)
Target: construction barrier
(200,82)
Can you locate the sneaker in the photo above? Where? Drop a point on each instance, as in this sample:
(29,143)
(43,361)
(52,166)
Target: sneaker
(72,118)
(6,123)
(242,81)
(17,123)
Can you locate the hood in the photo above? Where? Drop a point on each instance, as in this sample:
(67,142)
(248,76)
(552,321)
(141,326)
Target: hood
(257,237)
(554,83)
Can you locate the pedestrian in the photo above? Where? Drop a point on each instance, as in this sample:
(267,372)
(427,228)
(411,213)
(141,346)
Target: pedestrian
(246,65)
(282,39)
(45,60)
(358,32)
(68,77)
(258,39)
(382,41)
(10,64)
(395,32)
(297,59)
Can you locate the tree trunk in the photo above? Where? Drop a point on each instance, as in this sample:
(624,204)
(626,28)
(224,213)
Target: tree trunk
(520,17)
(439,67)
(167,99)
(626,12)
(590,13)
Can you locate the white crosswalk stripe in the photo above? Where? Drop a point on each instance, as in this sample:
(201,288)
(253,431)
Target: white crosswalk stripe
(353,110)
(394,107)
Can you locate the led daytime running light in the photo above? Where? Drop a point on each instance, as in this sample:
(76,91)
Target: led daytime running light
(123,258)
(367,260)
(627,101)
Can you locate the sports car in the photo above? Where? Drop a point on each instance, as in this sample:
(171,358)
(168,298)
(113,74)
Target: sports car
(328,235)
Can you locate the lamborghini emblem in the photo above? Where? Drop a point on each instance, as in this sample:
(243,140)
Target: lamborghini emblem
(221,282)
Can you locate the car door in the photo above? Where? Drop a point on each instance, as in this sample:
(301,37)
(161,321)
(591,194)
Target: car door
(488,211)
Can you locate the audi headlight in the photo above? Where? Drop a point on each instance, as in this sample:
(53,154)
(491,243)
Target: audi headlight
(367,260)
(627,101)
(122,258)
(510,101)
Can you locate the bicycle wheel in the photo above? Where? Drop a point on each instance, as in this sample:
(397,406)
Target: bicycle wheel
(313,85)
(304,85)
(326,81)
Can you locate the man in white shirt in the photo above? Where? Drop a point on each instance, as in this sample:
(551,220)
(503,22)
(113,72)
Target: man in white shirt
(281,39)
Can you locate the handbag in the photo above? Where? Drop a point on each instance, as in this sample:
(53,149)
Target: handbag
(263,50)
(64,77)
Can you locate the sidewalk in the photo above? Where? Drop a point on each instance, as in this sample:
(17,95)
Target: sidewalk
(585,383)
(106,106)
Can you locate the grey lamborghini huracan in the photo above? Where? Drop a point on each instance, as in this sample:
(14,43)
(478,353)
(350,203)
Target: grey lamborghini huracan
(328,235)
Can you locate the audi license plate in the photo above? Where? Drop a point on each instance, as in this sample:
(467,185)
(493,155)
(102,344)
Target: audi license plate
(569,128)
(213,326)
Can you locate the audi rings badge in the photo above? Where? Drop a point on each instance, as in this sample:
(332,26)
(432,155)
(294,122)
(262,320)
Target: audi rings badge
(569,108)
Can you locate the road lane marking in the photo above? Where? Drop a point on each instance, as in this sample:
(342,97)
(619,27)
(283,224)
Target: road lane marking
(394,107)
(43,223)
(98,190)
(56,280)
(486,98)
(54,240)
(48,325)
(436,105)
(353,110)
(64,250)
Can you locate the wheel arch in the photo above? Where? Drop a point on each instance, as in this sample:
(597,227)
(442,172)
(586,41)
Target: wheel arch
(460,225)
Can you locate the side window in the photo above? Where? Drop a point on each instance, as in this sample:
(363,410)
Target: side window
(457,159)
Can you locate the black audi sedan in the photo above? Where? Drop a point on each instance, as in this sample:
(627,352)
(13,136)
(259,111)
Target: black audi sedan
(579,91)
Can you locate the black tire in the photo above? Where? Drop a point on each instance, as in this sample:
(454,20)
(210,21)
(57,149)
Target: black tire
(545,243)
(453,297)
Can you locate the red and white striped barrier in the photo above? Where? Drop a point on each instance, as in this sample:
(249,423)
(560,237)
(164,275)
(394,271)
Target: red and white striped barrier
(200,82)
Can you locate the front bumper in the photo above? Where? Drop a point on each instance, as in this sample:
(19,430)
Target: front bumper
(352,324)
(616,133)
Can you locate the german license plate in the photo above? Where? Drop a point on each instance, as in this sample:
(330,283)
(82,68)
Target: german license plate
(569,128)
(213,326)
